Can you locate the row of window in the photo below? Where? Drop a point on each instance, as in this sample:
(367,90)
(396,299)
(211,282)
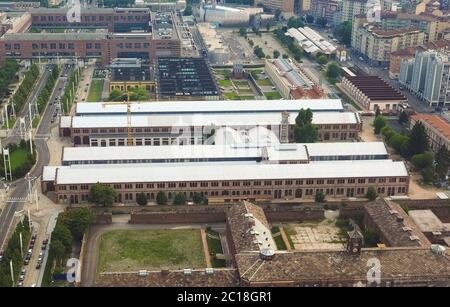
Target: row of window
(89,18)
(297,193)
(133,46)
(247,183)
(121,130)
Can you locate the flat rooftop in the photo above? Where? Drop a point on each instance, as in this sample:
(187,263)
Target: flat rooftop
(206,120)
(375,88)
(99,35)
(427,221)
(225,106)
(175,172)
(220,152)
(185,76)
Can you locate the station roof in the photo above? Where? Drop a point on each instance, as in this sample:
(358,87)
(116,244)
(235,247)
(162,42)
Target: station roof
(176,152)
(375,88)
(175,107)
(207,120)
(176,172)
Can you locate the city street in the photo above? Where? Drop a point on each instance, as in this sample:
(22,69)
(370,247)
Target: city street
(17,198)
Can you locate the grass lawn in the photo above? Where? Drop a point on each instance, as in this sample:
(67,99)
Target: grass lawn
(215,247)
(35,121)
(264,82)
(131,250)
(241,84)
(223,72)
(273,95)
(11,123)
(18,158)
(278,238)
(225,82)
(95,91)
(234,96)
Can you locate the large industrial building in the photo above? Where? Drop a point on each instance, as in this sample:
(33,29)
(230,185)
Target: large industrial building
(185,78)
(193,128)
(210,107)
(235,181)
(372,92)
(277,154)
(192,122)
(101,32)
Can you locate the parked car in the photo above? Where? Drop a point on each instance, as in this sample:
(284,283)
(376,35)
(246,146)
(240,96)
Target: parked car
(1,256)
(38,265)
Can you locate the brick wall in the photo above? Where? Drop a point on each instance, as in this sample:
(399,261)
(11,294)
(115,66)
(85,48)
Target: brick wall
(217,214)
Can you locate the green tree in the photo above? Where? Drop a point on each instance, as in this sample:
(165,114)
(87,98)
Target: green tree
(321,21)
(161,198)
(309,18)
(141,199)
(371,238)
(333,71)
(278,14)
(78,221)
(243,32)
(403,118)
(295,23)
(188,10)
(276,54)
(428,175)
(320,197)
(343,32)
(442,162)
(305,131)
(199,199)
(379,123)
(179,199)
(102,194)
(371,194)
(322,60)
(377,111)
(62,234)
(116,95)
(259,52)
(57,249)
(418,140)
(423,160)
(285,56)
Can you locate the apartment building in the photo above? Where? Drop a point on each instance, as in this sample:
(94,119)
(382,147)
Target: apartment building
(324,9)
(285,6)
(427,76)
(377,43)
(398,56)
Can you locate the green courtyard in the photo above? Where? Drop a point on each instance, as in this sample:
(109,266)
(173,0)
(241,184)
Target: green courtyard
(95,90)
(131,250)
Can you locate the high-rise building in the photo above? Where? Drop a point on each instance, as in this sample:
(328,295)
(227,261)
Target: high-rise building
(427,76)
(350,8)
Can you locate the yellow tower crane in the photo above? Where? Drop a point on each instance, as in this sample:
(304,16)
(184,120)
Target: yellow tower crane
(130,141)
